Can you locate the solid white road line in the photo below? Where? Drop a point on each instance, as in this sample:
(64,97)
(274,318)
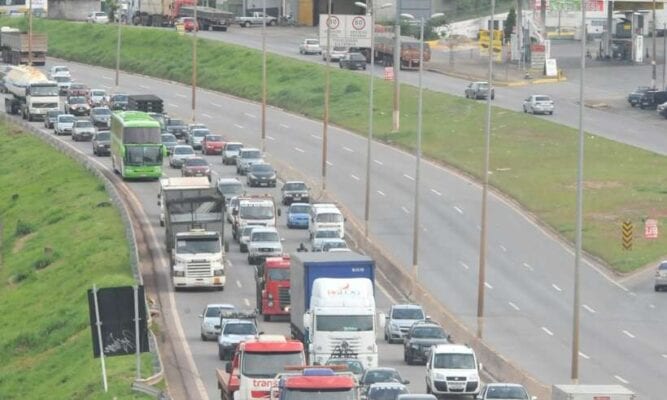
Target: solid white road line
(464,265)
(349,150)
(249,115)
(405,210)
(488,285)
(378,162)
(381,193)
(409,177)
(628,334)
(180,95)
(514,306)
(588,308)
(356,178)
(528,266)
(582,355)
(436,192)
(553,285)
(620,379)
(206,115)
(458,210)
(547,331)
(238,283)
(299,150)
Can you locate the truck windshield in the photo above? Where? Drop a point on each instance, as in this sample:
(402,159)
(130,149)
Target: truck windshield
(317,394)
(267,365)
(454,361)
(195,246)
(256,212)
(50,90)
(143,155)
(344,323)
(329,233)
(329,218)
(279,274)
(142,135)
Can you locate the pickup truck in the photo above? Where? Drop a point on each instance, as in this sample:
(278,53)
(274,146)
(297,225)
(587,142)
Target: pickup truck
(256,18)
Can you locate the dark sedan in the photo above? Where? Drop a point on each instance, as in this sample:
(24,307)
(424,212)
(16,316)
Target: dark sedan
(196,166)
(50,118)
(635,97)
(118,102)
(169,141)
(378,375)
(261,175)
(177,127)
(101,116)
(353,61)
(102,143)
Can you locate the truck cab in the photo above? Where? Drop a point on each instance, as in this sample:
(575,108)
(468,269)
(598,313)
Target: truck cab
(272,279)
(254,210)
(316,383)
(198,260)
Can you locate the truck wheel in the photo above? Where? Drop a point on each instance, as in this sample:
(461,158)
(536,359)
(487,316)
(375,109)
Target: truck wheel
(272,22)
(203,338)
(246,24)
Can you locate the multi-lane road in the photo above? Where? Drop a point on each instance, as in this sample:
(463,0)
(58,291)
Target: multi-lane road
(529,274)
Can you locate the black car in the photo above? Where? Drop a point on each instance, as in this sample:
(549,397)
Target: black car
(169,141)
(652,98)
(377,375)
(353,61)
(101,116)
(635,97)
(295,191)
(118,102)
(419,339)
(177,127)
(261,175)
(50,118)
(102,143)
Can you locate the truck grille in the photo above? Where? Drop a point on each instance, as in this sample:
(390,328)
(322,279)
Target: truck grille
(283,296)
(199,268)
(353,345)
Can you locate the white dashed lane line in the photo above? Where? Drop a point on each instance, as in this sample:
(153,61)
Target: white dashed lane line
(144,87)
(315,136)
(206,115)
(588,308)
(628,334)
(284,126)
(356,178)
(238,283)
(528,266)
(381,193)
(299,150)
(181,95)
(405,210)
(408,177)
(349,150)
(464,265)
(488,285)
(172,105)
(514,306)
(270,137)
(547,331)
(458,210)
(435,192)
(378,162)
(249,115)
(582,355)
(238,126)
(620,379)
(107,78)
(329,163)
(503,248)
(553,285)
(247,302)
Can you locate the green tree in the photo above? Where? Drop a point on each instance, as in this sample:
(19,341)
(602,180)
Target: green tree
(510,23)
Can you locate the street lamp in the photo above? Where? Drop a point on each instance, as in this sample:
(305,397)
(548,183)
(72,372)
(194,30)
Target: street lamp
(367,205)
(117,53)
(264,79)
(415,227)
(325,116)
(194,64)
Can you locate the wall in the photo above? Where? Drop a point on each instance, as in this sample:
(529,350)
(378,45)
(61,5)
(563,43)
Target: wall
(72,9)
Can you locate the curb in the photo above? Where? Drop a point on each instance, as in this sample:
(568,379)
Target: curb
(497,83)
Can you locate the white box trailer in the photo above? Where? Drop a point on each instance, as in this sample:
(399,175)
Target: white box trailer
(591,392)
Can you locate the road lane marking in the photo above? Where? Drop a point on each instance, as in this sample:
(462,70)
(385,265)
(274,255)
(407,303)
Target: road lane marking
(284,126)
(381,193)
(356,178)
(247,302)
(107,77)
(206,115)
(299,150)
(349,150)
(528,266)
(144,87)
(553,285)
(633,294)
(329,163)
(238,126)
(582,355)
(216,105)
(106,86)
(249,115)
(664,356)
(436,192)
(409,177)
(588,308)
(378,162)
(503,248)
(238,283)
(180,95)
(405,210)
(464,265)
(514,306)
(458,210)
(488,285)
(620,379)
(651,306)
(172,105)
(315,136)
(270,137)
(628,334)
(547,331)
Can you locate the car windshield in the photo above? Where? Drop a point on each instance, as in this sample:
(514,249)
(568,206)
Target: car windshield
(483,85)
(329,218)
(347,323)
(230,188)
(97,93)
(239,329)
(663,267)
(176,122)
(251,154)
(103,136)
(184,150)
(380,376)
(542,98)
(267,365)
(214,138)
(196,162)
(299,209)
(196,246)
(357,57)
(506,393)
(385,393)
(119,97)
(428,332)
(213,312)
(169,138)
(454,361)
(264,237)
(279,274)
(261,168)
(338,244)
(312,41)
(407,313)
(61,79)
(354,366)
(77,100)
(101,111)
(246,231)
(66,119)
(200,132)
(325,234)
(84,124)
(256,212)
(295,186)
(233,147)
(140,155)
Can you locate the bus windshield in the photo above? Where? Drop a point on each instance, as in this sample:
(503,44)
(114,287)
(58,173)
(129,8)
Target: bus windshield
(143,155)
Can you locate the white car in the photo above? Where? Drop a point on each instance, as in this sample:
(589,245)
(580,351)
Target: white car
(244,237)
(64,124)
(97,17)
(323,236)
(59,70)
(264,242)
(336,53)
(246,158)
(230,207)
(452,369)
(180,154)
(210,318)
(97,97)
(539,103)
(310,46)
(230,151)
(501,391)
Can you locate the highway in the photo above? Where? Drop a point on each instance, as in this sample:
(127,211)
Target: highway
(529,273)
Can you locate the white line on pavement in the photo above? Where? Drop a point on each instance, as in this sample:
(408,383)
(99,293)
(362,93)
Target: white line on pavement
(107,77)
(206,115)
(356,178)
(405,210)
(298,149)
(247,302)
(503,248)
(620,379)
(628,334)
(488,285)
(633,294)
(106,86)
(436,192)
(180,95)
(238,283)
(528,266)
(381,193)
(651,306)
(409,177)
(547,331)
(378,162)
(664,356)
(172,105)
(348,149)
(284,126)
(458,210)
(582,355)
(238,126)
(144,87)
(270,137)
(588,308)
(329,163)
(464,265)
(316,136)
(249,115)
(553,285)
(514,306)
(216,105)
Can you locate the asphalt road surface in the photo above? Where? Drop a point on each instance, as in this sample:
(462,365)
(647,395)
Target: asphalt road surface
(529,274)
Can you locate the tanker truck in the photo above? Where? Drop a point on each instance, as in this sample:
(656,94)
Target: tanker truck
(30,93)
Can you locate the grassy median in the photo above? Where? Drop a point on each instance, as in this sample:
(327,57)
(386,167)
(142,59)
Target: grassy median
(60,235)
(533,160)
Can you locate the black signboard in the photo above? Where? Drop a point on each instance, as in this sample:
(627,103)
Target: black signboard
(116,310)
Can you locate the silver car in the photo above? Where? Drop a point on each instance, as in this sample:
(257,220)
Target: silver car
(323,236)
(502,391)
(83,130)
(399,320)
(180,153)
(661,276)
(233,332)
(210,318)
(246,158)
(64,124)
(230,152)
(244,238)
(539,104)
(196,136)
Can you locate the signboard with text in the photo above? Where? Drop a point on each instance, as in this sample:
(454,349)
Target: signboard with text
(651,229)
(345,30)
(570,5)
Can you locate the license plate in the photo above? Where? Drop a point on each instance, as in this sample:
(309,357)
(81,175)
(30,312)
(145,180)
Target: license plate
(216,280)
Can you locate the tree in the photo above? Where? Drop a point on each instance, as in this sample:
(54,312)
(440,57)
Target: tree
(510,23)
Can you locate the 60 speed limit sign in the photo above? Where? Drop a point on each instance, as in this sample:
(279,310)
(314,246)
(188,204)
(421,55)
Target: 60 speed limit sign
(345,30)
(358,23)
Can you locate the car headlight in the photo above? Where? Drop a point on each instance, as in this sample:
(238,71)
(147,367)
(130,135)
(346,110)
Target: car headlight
(439,377)
(473,378)
(273,176)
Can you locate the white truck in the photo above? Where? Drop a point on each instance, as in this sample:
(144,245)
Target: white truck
(193,215)
(256,18)
(30,93)
(254,210)
(591,392)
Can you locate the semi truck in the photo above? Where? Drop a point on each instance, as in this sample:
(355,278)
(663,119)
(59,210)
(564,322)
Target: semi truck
(409,57)
(166,13)
(193,214)
(30,93)
(333,305)
(316,383)
(591,392)
(208,17)
(17,47)
(273,287)
(254,210)
(256,362)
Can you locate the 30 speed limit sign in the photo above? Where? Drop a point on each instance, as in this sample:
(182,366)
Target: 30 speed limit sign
(333,22)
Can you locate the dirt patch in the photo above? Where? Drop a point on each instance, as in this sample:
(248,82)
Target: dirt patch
(19,244)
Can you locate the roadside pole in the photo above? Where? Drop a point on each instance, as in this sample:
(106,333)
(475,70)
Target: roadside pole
(396,114)
(654,66)
(137,339)
(29,33)
(264,82)
(118,57)
(325,117)
(98,323)
(664,55)
(194,67)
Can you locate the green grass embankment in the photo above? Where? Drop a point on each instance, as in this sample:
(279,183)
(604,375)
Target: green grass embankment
(533,160)
(60,235)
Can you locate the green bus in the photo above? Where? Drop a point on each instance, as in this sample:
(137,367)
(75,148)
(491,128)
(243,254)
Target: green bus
(136,145)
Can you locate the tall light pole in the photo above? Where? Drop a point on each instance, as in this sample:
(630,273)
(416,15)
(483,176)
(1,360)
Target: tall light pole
(264,82)
(664,55)
(29,33)
(396,114)
(481,277)
(194,65)
(325,117)
(580,197)
(118,55)
(418,153)
(654,72)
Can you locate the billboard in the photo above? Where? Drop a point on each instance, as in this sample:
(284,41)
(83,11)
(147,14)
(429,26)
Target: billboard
(569,5)
(346,30)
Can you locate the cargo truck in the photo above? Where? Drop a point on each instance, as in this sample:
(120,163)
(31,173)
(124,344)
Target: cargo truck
(251,373)
(333,305)
(208,17)
(16,47)
(147,103)
(409,57)
(273,287)
(30,93)
(166,12)
(591,392)
(316,383)
(194,222)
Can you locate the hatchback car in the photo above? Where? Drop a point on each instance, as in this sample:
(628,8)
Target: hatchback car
(310,46)
(169,141)
(78,89)
(50,118)
(118,102)
(661,277)
(353,61)
(210,317)
(378,375)
(336,53)
(246,158)
(230,151)
(98,17)
(261,175)
(233,332)
(64,124)
(196,137)
(504,391)
(176,127)
(322,236)
(298,215)
(229,188)
(399,319)
(539,104)
(479,90)
(64,83)
(101,116)
(102,143)
(212,144)
(189,24)
(420,338)
(196,166)
(77,105)
(97,97)
(386,391)
(83,130)
(180,154)
(244,237)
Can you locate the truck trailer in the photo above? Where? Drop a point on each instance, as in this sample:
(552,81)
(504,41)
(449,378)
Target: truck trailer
(591,392)
(409,57)
(17,47)
(30,93)
(208,18)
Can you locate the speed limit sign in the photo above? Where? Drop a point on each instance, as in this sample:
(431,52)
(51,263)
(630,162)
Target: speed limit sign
(333,22)
(358,23)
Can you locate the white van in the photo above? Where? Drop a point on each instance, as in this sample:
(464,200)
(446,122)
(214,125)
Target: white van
(452,369)
(326,216)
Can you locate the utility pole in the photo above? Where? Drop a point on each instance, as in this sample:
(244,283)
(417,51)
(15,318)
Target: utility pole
(654,72)
(519,30)
(264,81)
(194,66)
(325,118)
(118,57)
(29,34)
(664,55)
(396,113)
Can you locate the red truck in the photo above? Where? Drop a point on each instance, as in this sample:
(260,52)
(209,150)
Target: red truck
(272,287)
(316,383)
(251,373)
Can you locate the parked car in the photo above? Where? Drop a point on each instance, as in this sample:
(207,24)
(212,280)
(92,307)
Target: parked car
(97,97)
(118,102)
(246,158)
(310,46)
(50,118)
(102,143)
(261,175)
(97,17)
(634,98)
(77,105)
(538,103)
(419,339)
(210,317)
(661,277)
(101,116)
(59,70)
(298,215)
(64,124)
(196,136)
(169,141)
(378,375)
(230,151)
(233,332)
(386,391)
(337,52)
(176,127)
(196,166)
(479,90)
(505,391)
(295,191)
(353,61)
(180,153)
(83,130)
(399,319)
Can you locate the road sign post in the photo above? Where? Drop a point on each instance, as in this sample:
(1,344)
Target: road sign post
(627,231)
